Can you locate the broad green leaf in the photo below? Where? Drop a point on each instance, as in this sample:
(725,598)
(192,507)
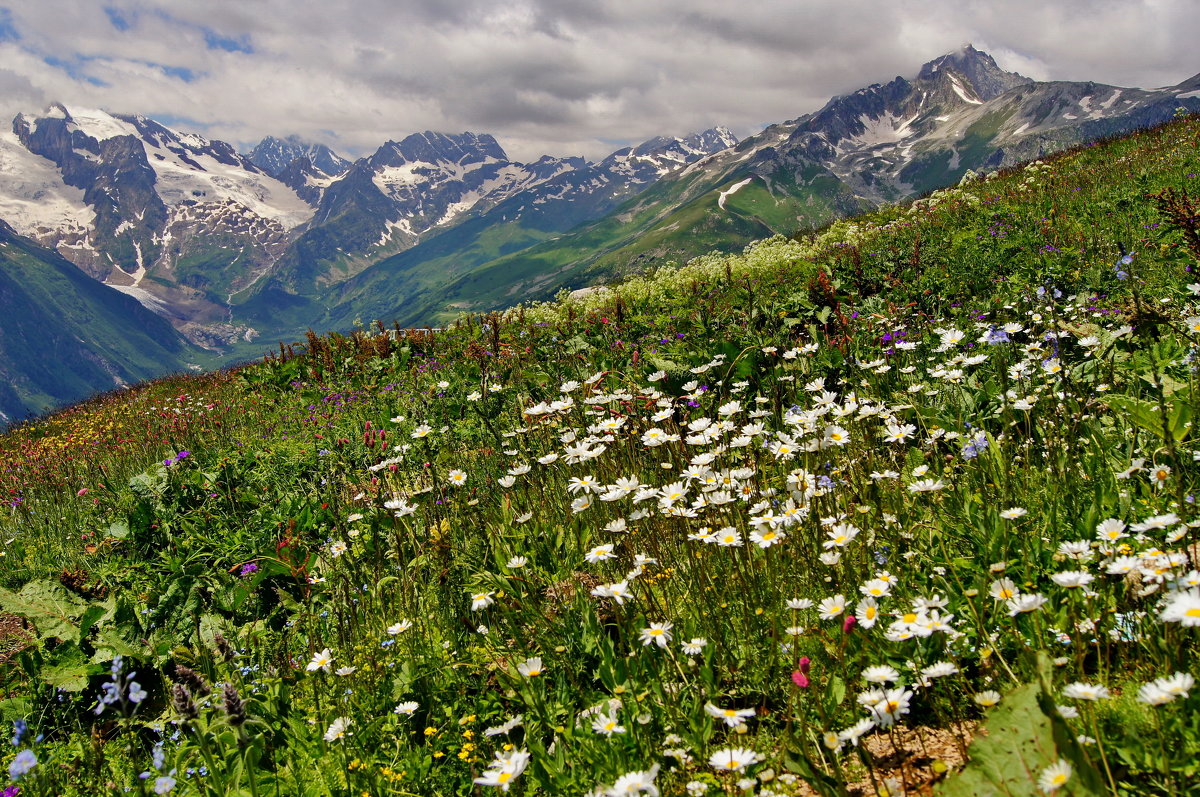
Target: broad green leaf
(15,708)
(1143,414)
(70,670)
(1019,744)
(1179,418)
(53,610)
(118,530)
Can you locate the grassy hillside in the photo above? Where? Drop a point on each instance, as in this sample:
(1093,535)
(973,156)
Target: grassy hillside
(905,505)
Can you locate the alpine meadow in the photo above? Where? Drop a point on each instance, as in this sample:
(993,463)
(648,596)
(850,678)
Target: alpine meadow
(905,505)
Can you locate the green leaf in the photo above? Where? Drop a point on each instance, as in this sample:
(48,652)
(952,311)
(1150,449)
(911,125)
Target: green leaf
(1179,418)
(93,615)
(70,671)
(15,708)
(837,690)
(1143,414)
(110,643)
(118,530)
(802,765)
(1020,743)
(53,610)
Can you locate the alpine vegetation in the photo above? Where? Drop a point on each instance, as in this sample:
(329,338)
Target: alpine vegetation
(904,505)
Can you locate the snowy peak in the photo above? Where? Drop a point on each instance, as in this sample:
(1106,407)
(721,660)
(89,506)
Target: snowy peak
(124,197)
(961,112)
(982,77)
(437,170)
(463,149)
(902,110)
(88,144)
(275,155)
(662,155)
(305,167)
(385,202)
(695,146)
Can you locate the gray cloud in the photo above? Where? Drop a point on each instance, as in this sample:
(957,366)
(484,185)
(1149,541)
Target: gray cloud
(546,76)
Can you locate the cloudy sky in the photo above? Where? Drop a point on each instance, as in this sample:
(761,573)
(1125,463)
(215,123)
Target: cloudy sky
(561,77)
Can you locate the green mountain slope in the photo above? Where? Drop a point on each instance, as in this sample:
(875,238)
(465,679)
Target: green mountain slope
(65,336)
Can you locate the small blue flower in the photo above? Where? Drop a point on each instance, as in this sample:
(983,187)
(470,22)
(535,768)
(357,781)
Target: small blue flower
(973,448)
(136,693)
(996,335)
(158,756)
(22,764)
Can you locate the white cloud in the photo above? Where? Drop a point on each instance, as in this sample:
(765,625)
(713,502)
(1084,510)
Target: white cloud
(545,76)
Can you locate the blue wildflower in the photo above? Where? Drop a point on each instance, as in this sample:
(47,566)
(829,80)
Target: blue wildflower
(976,445)
(22,764)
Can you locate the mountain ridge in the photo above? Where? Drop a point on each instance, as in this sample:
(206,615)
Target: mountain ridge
(882,143)
(237,247)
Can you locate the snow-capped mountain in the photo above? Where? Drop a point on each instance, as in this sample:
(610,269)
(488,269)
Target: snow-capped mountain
(543,210)
(962,112)
(124,197)
(593,189)
(305,167)
(910,135)
(274,155)
(452,191)
(384,203)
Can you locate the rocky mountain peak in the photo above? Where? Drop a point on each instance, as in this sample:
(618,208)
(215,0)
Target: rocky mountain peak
(276,155)
(704,143)
(978,69)
(432,147)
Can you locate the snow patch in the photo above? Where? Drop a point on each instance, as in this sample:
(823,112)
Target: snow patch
(1092,113)
(180,181)
(389,178)
(33,197)
(1187,95)
(144,298)
(733,189)
(885,129)
(100,125)
(404,226)
(958,89)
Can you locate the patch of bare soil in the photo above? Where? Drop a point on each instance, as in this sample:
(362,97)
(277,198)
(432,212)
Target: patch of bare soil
(14,636)
(908,762)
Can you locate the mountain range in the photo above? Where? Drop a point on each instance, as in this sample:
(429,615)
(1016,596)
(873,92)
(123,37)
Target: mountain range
(238,250)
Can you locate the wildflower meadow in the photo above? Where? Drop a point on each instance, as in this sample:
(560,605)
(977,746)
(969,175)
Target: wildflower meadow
(902,506)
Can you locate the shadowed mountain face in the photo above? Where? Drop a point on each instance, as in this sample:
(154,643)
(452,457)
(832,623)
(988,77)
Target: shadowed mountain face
(66,337)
